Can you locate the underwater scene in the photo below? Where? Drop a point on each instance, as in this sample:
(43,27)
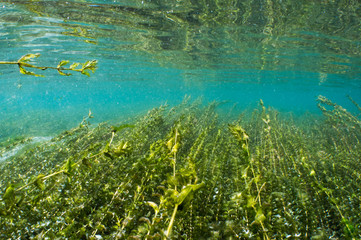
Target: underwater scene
(169,119)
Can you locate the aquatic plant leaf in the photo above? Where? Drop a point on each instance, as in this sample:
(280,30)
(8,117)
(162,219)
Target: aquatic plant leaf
(74,65)
(100,227)
(28,57)
(90,114)
(154,206)
(63,63)
(239,133)
(241,136)
(23,71)
(85,73)
(244,172)
(39,181)
(190,188)
(251,202)
(170,143)
(89,65)
(175,148)
(91,41)
(122,149)
(9,195)
(260,217)
(68,167)
(26,72)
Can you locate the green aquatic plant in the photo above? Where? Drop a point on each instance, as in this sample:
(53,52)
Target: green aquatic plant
(23,63)
(187,173)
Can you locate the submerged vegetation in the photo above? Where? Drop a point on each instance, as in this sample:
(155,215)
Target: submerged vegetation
(23,63)
(187,173)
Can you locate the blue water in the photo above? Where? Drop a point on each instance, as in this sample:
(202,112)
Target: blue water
(148,55)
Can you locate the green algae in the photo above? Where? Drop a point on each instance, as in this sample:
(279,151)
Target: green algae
(183,173)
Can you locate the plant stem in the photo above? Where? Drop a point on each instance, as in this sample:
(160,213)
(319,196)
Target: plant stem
(23,64)
(169,230)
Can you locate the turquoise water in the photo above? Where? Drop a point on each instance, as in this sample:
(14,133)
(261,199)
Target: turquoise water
(155,52)
(227,166)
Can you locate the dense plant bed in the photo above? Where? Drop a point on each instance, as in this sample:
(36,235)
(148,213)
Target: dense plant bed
(187,173)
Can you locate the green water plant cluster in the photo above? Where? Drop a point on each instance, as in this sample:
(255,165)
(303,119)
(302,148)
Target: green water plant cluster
(24,62)
(187,172)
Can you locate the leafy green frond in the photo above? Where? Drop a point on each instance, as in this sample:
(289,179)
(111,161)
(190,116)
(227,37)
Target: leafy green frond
(23,62)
